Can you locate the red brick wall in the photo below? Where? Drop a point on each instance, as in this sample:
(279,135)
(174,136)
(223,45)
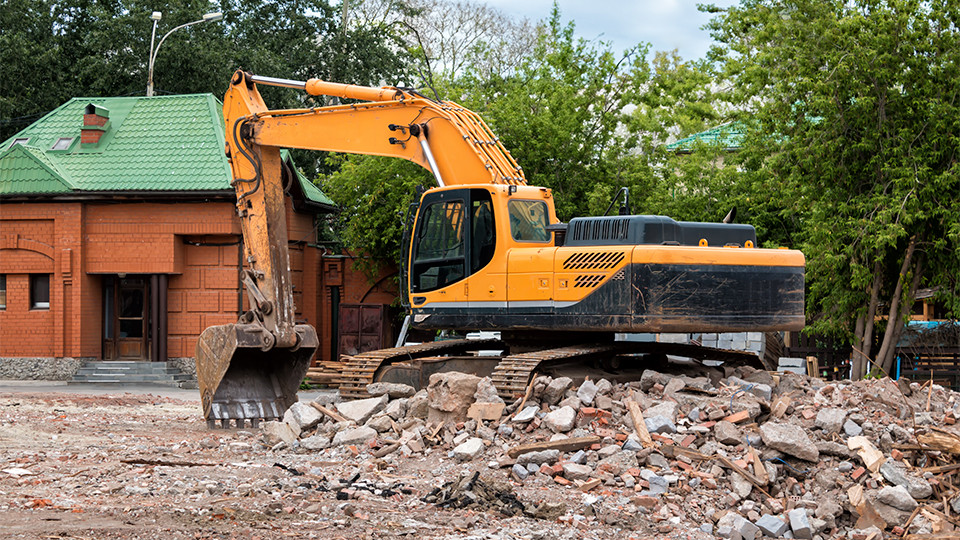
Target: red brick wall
(79,243)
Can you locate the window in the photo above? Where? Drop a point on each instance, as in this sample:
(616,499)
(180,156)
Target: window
(3,291)
(62,143)
(439,256)
(19,140)
(39,291)
(528,221)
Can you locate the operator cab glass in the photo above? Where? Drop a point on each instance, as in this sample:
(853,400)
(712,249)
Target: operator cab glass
(455,237)
(528,221)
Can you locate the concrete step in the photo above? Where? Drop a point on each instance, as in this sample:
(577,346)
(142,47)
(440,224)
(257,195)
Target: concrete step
(130,372)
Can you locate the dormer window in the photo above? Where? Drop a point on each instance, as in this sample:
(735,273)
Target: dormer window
(62,143)
(19,140)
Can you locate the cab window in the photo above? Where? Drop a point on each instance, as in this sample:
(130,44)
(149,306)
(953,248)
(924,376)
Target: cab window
(528,221)
(439,257)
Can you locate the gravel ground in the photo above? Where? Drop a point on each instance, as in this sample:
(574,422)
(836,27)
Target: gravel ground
(79,465)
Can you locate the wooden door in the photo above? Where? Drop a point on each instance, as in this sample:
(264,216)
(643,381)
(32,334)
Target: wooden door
(126,319)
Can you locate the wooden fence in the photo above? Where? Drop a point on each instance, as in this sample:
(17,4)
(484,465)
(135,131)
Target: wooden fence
(942,364)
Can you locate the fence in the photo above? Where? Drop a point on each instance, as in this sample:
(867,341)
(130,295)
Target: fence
(832,356)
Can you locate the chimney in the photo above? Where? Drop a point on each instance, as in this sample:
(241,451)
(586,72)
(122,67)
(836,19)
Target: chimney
(96,121)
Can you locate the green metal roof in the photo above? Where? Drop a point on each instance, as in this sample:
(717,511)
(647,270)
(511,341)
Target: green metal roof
(25,169)
(151,144)
(728,136)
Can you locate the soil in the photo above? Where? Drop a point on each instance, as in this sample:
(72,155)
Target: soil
(145,467)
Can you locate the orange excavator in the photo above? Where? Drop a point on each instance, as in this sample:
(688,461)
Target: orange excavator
(484,251)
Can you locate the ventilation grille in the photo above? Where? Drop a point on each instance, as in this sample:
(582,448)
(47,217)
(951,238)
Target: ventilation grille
(608,229)
(587,281)
(593,260)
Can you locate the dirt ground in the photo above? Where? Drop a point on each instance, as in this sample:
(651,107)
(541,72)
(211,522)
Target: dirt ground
(146,467)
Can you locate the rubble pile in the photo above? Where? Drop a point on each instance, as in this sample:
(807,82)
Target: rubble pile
(736,454)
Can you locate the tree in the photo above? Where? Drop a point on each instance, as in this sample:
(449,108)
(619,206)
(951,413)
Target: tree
(559,113)
(854,112)
(53,50)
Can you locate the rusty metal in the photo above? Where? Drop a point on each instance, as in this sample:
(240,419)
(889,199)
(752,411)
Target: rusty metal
(513,373)
(362,369)
(241,381)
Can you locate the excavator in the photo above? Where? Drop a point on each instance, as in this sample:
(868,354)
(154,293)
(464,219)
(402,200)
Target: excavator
(483,250)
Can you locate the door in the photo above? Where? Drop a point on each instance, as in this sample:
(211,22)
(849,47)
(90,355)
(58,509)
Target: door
(126,318)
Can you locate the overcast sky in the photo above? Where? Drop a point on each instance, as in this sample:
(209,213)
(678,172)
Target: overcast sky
(665,24)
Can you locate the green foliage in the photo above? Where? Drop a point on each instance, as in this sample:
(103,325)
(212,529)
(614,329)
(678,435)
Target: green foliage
(373,193)
(53,50)
(855,110)
(559,112)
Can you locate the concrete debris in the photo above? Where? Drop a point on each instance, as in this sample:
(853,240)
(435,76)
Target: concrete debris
(712,458)
(393,390)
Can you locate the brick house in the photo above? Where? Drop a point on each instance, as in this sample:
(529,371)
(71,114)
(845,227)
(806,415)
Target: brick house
(119,240)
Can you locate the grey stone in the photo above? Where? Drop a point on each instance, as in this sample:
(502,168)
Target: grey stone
(560,420)
(315,443)
(789,439)
(486,392)
(667,409)
(897,497)
(657,461)
(771,525)
(527,414)
(761,390)
(727,433)
(539,458)
(603,402)
(394,390)
(852,429)
(728,532)
(587,392)
(418,406)
(800,524)
(896,474)
(660,424)
(694,414)
(955,504)
(675,385)
(575,471)
(396,408)
(747,530)
(845,466)
(362,409)
(650,378)
(555,391)
(358,435)
(632,445)
(304,415)
(469,449)
(830,419)
(579,457)
(290,421)
(604,387)
(520,471)
(275,432)
(740,485)
(381,423)
(573,402)
(608,451)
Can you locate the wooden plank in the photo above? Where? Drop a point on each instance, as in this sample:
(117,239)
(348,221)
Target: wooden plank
(336,417)
(638,424)
(564,445)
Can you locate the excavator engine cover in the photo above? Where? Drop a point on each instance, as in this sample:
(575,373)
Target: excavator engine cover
(240,381)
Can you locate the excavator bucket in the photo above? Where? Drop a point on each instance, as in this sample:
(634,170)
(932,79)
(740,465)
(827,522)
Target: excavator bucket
(240,381)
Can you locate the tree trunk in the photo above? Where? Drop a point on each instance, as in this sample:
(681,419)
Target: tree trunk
(857,359)
(871,320)
(885,355)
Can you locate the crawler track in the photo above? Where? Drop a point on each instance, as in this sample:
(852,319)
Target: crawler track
(360,370)
(513,373)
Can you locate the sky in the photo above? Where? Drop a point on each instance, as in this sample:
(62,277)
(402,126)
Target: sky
(665,24)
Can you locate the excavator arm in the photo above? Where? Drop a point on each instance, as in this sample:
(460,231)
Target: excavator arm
(251,370)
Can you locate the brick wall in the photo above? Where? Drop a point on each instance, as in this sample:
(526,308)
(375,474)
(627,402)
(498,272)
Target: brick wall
(79,244)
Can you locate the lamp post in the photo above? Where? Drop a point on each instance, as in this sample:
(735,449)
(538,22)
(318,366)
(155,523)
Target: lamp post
(156,15)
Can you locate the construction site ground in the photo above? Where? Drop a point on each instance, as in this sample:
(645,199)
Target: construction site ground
(84,462)
(732,453)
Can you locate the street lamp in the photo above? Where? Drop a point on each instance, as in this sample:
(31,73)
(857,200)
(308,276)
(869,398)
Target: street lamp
(156,15)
